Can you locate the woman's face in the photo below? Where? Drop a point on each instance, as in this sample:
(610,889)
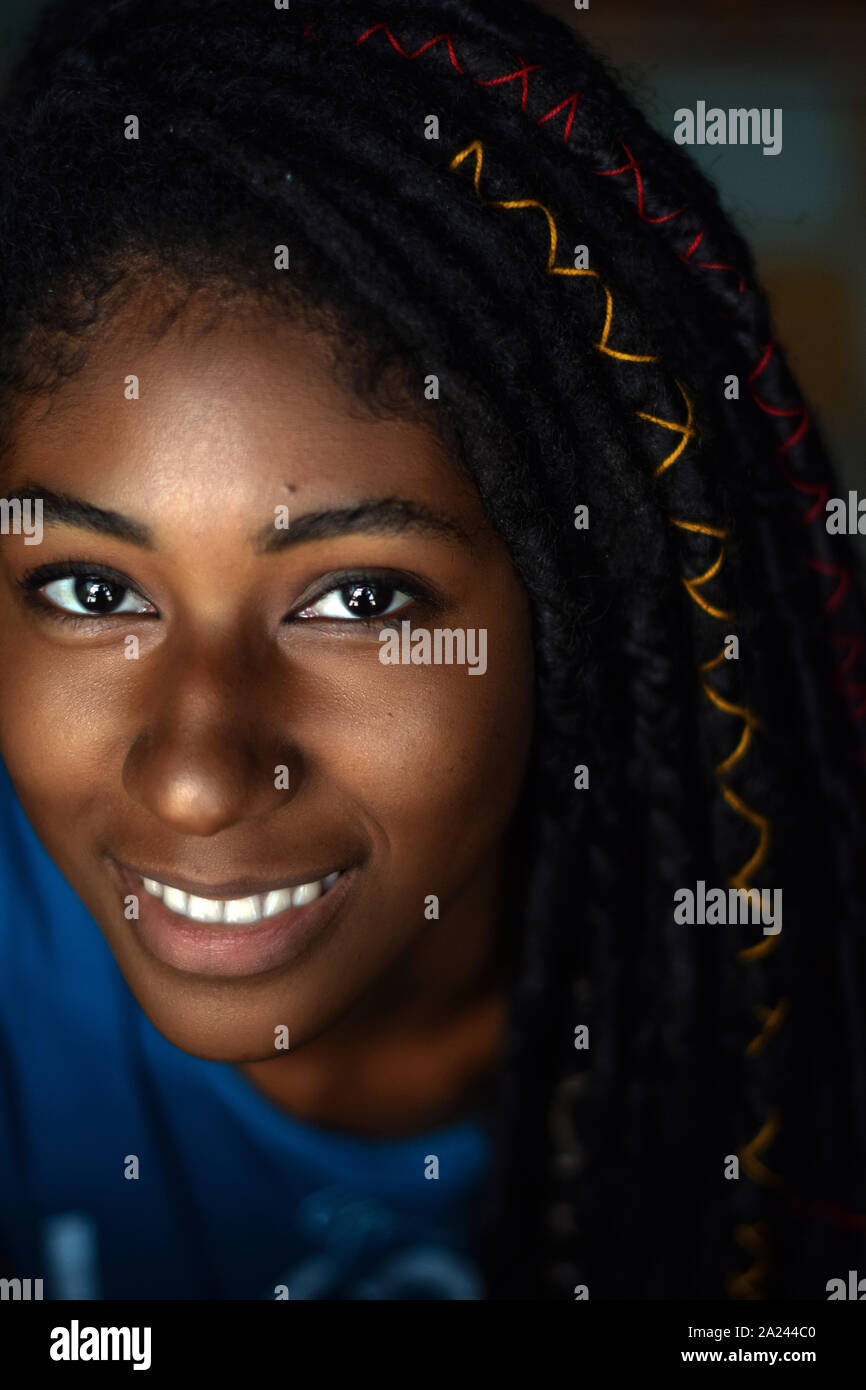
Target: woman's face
(196,701)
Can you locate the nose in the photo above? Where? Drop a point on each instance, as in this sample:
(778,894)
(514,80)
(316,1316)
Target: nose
(207,753)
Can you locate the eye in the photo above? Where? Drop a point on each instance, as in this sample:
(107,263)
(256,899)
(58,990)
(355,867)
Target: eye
(93,595)
(358,600)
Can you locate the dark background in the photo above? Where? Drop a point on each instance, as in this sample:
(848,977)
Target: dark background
(801,210)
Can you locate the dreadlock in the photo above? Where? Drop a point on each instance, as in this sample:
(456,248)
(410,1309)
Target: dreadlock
(434,172)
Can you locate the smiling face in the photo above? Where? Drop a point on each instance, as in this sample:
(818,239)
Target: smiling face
(192,692)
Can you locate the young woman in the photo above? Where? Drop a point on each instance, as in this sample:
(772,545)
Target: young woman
(432,847)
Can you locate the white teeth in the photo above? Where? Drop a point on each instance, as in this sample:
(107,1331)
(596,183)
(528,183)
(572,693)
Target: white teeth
(306,893)
(238,911)
(205,909)
(278,901)
(175,900)
(243,910)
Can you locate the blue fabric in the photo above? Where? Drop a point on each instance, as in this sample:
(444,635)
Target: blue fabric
(234,1198)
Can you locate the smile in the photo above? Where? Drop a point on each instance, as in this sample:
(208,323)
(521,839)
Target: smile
(236,928)
(237,911)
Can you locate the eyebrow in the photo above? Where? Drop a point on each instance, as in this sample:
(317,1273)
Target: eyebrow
(59,509)
(384,515)
(392,516)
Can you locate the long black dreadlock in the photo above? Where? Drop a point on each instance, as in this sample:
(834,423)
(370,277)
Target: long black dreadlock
(638,378)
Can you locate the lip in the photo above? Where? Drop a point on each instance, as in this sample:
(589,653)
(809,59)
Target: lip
(230,951)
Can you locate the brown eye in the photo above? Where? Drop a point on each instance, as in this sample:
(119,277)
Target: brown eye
(360,600)
(93,594)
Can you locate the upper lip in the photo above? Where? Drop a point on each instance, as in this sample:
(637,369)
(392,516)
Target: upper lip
(230,888)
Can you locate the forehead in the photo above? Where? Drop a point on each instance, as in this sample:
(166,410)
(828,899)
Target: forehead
(229,396)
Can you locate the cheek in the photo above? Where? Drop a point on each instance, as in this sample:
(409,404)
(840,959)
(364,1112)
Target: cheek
(435,757)
(53,724)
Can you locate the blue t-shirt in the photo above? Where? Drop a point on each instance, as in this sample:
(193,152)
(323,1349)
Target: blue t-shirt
(234,1199)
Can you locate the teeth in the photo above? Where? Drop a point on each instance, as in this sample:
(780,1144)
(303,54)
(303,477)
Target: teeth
(243,910)
(277,901)
(204,909)
(238,911)
(175,900)
(306,893)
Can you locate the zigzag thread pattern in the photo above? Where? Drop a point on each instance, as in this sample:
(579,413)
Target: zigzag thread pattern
(692,584)
(853,691)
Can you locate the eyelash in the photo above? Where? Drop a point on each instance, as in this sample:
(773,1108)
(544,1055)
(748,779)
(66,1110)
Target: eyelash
(36,579)
(42,575)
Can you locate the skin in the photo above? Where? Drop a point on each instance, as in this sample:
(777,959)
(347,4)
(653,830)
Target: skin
(409,774)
